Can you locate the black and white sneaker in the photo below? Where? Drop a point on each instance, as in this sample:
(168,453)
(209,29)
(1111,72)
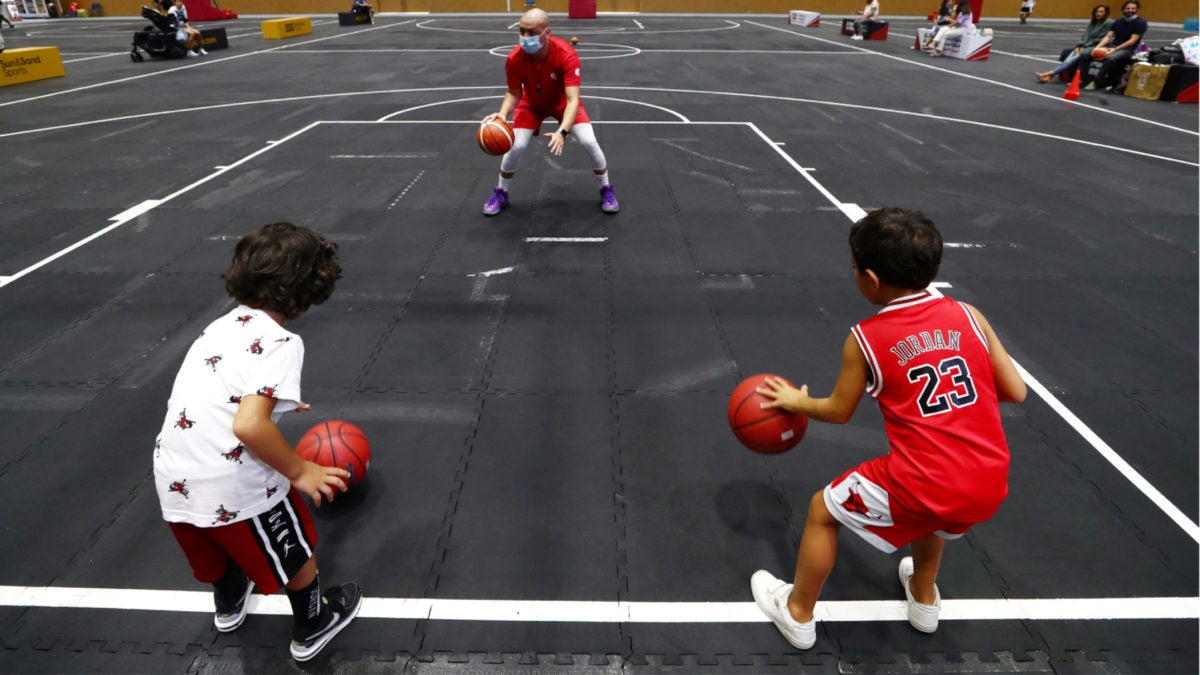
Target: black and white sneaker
(231,615)
(343,603)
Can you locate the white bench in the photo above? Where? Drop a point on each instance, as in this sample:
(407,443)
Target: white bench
(798,17)
(965,47)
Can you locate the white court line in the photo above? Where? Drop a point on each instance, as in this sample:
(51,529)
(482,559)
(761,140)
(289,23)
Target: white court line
(573,611)
(388,117)
(854,213)
(1108,608)
(1047,59)
(146,206)
(980,79)
(731,25)
(566,240)
(197,64)
(788,99)
(120,219)
(1160,500)
(908,113)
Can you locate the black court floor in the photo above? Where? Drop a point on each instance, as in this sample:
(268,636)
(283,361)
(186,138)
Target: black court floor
(554,487)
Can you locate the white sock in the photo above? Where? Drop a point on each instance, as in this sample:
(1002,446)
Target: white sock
(504,183)
(603,177)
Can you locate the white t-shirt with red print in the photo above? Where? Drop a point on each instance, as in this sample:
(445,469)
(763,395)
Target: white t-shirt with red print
(203,474)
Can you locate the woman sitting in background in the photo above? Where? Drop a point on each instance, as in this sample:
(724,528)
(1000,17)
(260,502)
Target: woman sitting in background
(1096,30)
(944,17)
(963,25)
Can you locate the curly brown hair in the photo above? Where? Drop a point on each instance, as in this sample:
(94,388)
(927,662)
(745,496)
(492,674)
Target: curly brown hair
(283,268)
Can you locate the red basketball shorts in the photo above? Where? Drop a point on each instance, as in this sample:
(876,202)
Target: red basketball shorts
(269,547)
(863,506)
(525,117)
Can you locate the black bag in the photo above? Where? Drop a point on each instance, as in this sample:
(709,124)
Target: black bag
(1166,56)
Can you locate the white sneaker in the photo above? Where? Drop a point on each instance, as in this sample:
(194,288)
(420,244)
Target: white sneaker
(193,55)
(202,52)
(856,37)
(922,617)
(771,596)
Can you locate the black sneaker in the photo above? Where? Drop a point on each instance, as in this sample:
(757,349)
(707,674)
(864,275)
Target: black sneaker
(230,616)
(343,603)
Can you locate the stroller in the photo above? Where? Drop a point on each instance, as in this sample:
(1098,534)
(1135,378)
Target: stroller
(158,40)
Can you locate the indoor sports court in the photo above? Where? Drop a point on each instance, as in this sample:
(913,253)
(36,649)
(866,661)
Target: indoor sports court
(554,486)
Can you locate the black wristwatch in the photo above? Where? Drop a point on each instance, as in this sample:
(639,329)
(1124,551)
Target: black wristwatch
(564,132)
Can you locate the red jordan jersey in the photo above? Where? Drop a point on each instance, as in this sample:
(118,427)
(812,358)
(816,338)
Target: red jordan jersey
(543,83)
(931,373)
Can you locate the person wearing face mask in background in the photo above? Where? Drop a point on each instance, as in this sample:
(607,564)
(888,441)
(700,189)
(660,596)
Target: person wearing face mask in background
(1096,30)
(1118,46)
(542,74)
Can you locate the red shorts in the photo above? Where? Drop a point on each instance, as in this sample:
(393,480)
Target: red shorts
(860,503)
(525,117)
(270,547)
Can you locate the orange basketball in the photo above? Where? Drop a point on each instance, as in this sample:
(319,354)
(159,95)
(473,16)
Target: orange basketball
(495,137)
(337,444)
(1100,52)
(768,431)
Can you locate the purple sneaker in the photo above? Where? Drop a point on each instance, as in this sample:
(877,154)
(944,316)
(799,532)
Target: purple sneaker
(498,201)
(608,200)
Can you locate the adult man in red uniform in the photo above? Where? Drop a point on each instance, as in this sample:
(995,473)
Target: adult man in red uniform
(543,81)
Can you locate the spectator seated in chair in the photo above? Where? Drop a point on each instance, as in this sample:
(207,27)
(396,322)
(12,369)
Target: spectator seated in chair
(1115,50)
(186,35)
(870,13)
(943,18)
(963,25)
(362,6)
(1096,30)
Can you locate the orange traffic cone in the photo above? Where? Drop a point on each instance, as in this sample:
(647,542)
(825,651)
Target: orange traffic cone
(1072,93)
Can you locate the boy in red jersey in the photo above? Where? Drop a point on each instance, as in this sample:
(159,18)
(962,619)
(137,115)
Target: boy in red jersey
(543,81)
(938,372)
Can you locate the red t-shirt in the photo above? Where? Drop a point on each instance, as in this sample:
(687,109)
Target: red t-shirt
(931,373)
(543,83)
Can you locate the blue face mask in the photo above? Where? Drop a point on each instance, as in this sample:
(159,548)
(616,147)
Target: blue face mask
(532,44)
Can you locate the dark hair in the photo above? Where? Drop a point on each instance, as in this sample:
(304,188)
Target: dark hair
(964,7)
(1131,2)
(901,246)
(283,268)
(1107,12)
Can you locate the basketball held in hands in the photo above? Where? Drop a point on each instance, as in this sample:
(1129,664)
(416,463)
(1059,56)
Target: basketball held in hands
(765,430)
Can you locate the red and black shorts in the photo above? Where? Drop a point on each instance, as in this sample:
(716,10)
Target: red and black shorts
(270,547)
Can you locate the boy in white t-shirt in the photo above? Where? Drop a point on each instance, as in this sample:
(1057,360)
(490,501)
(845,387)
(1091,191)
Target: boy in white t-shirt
(869,14)
(228,482)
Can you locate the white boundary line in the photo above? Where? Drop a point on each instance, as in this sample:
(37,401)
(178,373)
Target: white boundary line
(1152,493)
(640,89)
(572,611)
(198,64)
(148,205)
(997,83)
(513,610)
(1160,500)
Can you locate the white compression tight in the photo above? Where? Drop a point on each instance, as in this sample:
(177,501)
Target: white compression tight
(581,132)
